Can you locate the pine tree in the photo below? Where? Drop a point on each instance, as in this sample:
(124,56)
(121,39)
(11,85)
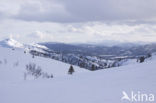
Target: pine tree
(93,67)
(149,55)
(71,70)
(142,59)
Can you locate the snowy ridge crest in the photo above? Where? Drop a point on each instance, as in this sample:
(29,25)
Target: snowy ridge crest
(11,43)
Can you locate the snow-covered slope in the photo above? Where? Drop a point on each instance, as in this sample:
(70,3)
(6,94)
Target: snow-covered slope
(11,43)
(13,65)
(38,46)
(102,86)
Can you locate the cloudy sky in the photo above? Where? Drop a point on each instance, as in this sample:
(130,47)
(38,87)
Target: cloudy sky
(78,20)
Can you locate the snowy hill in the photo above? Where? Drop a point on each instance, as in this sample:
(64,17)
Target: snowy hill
(91,62)
(13,63)
(11,43)
(102,86)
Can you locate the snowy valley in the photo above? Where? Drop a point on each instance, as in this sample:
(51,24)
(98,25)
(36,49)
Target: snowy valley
(86,56)
(54,84)
(77,51)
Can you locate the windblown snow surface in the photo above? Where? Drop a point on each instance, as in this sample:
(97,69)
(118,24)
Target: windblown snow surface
(102,86)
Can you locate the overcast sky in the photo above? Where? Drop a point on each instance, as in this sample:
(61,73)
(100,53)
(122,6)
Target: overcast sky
(78,20)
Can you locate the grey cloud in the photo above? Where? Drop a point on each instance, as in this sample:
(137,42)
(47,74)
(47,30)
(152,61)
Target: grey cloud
(108,10)
(126,11)
(42,11)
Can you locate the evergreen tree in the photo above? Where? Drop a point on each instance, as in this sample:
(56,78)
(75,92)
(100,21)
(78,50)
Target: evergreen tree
(93,67)
(149,55)
(142,59)
(71,70)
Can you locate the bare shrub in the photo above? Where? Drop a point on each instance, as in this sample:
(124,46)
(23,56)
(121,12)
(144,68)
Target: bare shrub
(36,71)
(5,61)
(1,62)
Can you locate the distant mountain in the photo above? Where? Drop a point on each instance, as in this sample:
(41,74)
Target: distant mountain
(11,43)
(111,43)
(126,49)
(89,56)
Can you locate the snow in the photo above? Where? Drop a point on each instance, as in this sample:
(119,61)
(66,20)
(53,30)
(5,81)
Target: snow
(39,46)
(129,62)
(102,86)
(10,58)
(11,43)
